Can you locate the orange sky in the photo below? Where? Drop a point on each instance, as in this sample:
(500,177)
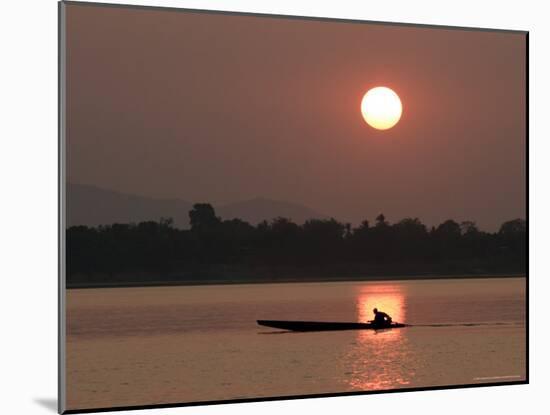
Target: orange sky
(214,107)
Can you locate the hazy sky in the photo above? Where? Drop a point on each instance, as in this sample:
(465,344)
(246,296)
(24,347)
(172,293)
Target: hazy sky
(221,108)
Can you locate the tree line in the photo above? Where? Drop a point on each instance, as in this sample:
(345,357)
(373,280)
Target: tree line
(156,250)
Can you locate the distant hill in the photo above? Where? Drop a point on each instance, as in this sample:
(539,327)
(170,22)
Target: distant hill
(92,206)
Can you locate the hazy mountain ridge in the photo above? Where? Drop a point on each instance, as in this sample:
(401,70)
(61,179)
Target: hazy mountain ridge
(93,206)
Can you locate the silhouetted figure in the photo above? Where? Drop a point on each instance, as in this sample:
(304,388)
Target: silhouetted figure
(381,319)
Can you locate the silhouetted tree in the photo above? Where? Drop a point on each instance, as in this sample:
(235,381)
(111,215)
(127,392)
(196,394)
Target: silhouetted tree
(347,230)
(237,237)
(410,237)
(363,227)
(153,251)
(411,229)
(446,241)
(448,230)
(381,220)
(322,239)
(512,238)
(203,217)
(381,235)
(513,228)
(278,241)
(358,242)
(468,228)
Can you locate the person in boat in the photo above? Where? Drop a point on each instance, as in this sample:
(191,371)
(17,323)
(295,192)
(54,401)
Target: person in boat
(381,319)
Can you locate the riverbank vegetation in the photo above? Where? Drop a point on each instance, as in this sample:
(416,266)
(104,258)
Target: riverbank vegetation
(234,250)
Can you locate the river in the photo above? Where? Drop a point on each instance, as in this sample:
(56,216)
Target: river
(158,345)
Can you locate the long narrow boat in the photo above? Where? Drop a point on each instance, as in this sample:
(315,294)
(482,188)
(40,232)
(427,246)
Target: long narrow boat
(324,325)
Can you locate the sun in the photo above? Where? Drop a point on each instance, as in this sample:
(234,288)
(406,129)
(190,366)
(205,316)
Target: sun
(381,108)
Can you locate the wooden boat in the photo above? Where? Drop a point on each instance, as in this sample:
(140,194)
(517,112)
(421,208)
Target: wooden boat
(325,325)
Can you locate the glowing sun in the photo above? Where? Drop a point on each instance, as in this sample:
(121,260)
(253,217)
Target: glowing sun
(381,108)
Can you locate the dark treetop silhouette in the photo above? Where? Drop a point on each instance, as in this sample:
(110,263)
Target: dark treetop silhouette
(216,250)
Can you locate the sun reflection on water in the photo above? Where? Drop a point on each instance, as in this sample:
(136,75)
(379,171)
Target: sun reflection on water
(387,297)
(380,359)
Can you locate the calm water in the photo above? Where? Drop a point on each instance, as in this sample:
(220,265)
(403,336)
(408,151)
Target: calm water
(138,346)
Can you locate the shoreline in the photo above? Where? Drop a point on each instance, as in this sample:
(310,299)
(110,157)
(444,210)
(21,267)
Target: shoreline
(293,280)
